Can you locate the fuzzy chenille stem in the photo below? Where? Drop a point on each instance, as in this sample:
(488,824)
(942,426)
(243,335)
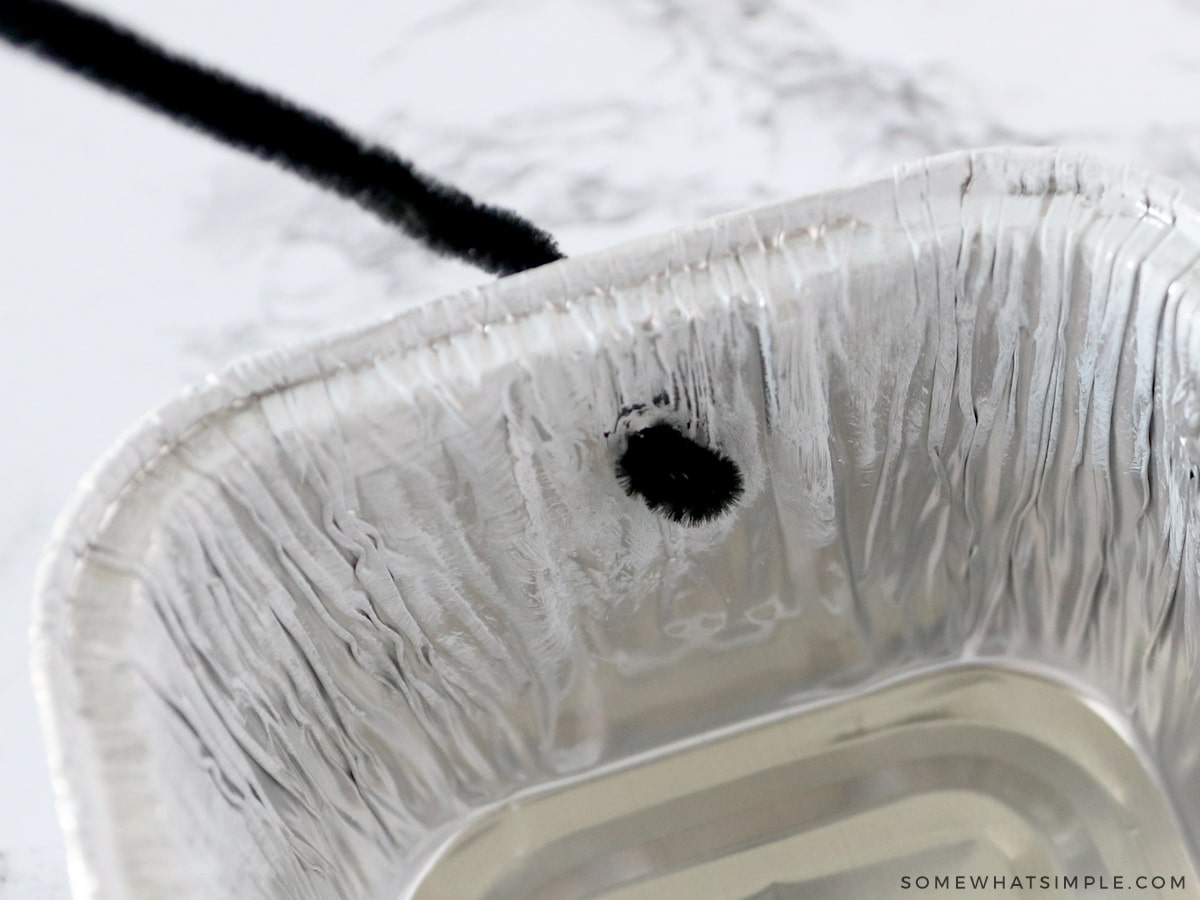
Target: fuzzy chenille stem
(270,127)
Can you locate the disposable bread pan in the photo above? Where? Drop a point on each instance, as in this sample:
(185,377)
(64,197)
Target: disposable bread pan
(843,548)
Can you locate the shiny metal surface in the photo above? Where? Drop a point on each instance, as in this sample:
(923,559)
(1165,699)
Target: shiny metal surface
(351,620)
(968,772)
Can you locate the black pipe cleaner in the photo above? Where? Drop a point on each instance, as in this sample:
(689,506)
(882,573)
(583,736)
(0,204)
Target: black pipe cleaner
(274,129)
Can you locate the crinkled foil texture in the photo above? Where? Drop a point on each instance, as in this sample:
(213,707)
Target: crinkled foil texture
(307,619)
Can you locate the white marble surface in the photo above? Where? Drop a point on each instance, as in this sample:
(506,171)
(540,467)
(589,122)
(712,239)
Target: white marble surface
(137,257)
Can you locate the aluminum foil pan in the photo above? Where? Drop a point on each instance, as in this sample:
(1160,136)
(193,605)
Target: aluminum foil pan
(373,617)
